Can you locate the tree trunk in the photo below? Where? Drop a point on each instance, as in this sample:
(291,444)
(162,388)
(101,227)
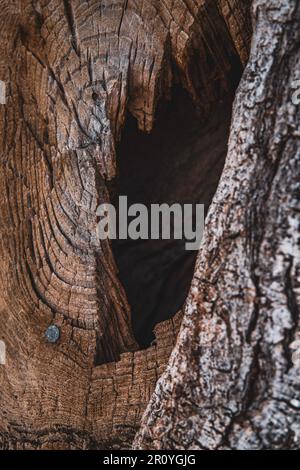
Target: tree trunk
(231,382)
(72,70)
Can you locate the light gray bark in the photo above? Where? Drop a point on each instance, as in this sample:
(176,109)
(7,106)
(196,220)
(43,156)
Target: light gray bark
(231,382)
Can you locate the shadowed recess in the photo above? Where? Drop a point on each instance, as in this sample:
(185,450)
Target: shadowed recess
(181,161)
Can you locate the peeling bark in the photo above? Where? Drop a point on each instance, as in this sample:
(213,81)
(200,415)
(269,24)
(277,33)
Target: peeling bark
(231,382)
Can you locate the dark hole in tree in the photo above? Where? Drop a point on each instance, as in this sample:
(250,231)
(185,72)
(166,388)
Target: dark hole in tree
(180,161)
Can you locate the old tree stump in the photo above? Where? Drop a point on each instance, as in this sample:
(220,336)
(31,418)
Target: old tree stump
(79,75)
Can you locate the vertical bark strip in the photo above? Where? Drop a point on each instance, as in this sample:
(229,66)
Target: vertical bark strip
(231,382)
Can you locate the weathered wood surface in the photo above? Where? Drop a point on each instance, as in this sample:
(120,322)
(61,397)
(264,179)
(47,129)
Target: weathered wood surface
(231,382)
(72,68)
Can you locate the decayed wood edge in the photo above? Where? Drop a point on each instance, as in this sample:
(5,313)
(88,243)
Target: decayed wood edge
(121,391)
(237,18)
(231,382)
(58,134)
(118,395)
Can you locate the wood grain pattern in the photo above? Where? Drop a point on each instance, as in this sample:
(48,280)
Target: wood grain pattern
(72,69)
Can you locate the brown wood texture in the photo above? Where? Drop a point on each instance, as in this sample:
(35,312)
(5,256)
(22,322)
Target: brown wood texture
(72,70)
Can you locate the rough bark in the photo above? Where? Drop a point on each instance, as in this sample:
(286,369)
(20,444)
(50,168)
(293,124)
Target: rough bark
(231,382)
(72,69)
